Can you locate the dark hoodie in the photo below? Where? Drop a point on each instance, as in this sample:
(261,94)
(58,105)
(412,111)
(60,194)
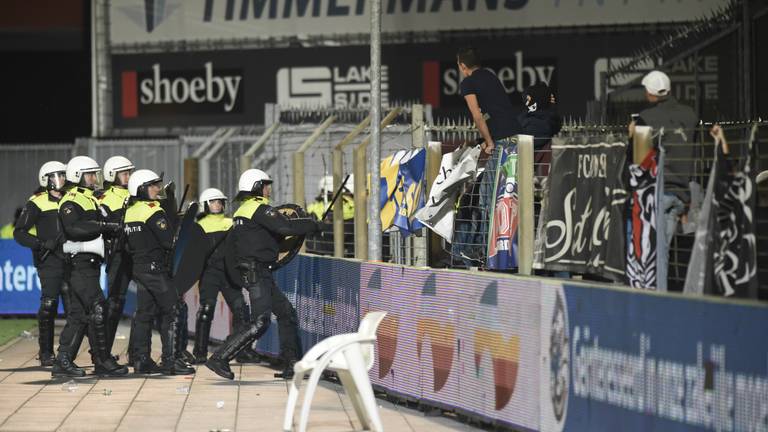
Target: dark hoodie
(540,119)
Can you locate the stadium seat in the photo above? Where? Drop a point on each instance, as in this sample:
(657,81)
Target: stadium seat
(350,356)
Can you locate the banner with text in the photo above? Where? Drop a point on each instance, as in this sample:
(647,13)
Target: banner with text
(643,362)
(154,21)
(19,283)
(230,87)
(582,227)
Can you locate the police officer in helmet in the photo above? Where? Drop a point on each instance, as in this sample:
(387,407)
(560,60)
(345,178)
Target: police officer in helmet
(149,237)
(38,228)
(117,171)
(82,222)
(258,228)
(216,226)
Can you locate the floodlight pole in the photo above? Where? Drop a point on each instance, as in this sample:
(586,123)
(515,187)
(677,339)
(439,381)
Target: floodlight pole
(374,155)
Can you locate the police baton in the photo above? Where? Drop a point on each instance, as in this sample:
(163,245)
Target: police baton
(335,197)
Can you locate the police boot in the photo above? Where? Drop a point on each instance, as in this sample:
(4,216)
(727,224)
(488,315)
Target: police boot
(104,363)
(202,332)
(289,360)
(248,355)
(219,361)
(182,334)
(45,324)
(169,363)
(114,313)
(131,342)
(144,365)
(64,365)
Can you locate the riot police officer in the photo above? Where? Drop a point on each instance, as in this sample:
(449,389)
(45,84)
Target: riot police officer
(258,228)
(82,222)
(149,234)
(215,226)
(117,171)
(38,228)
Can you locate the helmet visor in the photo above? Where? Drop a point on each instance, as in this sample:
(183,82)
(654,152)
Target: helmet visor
(92,180)
(56,180)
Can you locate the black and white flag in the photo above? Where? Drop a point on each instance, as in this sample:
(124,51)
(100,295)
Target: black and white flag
(724,257)
(582,220)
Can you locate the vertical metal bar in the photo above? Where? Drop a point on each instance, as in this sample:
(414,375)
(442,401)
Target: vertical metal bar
(747,59)
(525,225)
(94,74)
(374,161)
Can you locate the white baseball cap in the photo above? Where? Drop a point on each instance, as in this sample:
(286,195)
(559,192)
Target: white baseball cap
(657,83)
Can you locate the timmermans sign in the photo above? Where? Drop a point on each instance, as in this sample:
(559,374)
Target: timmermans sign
(147,21)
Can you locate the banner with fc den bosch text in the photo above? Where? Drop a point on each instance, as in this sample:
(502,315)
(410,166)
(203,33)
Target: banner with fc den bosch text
(582,219)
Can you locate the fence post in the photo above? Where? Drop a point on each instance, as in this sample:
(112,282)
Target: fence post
(247,158)
(338,177)
(525,226)
(434,157)
(298,162)
(641,143)
(361,189)
(418,244)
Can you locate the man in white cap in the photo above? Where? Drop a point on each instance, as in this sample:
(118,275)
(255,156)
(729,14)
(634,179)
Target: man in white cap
(676,122)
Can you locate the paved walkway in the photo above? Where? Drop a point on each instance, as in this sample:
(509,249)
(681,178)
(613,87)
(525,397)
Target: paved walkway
(31,401)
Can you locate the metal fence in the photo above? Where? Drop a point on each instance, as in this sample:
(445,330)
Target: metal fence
(19,164)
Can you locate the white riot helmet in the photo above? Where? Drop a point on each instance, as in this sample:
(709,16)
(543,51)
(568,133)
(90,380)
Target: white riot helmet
(79,165)
(209,195)
(252,181)
(137,184)
(114,165)
(52,175)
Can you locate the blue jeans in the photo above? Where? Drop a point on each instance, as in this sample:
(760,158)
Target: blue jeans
(667,217)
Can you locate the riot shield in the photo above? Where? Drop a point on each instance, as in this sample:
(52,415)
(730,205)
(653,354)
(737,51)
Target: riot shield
(183,235)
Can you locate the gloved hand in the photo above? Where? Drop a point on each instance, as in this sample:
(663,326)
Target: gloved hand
(50,244)
(319,226)
(110,227)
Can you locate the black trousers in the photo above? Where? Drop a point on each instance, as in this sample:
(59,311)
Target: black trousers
(213,282)
(52,276)
(155,296)
(266,297)
(119,272)
(85,295)
(52,273)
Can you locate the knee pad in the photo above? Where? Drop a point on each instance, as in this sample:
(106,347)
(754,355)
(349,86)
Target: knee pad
(48,308)
(206,312)
(98,312)
(262,322)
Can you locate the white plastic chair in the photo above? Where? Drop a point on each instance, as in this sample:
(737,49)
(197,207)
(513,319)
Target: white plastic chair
(350,355)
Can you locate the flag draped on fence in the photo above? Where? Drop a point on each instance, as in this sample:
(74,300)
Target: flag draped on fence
(502,230)
(402,194)
(724,258)
(456,168)
(582,229)
(641,250)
